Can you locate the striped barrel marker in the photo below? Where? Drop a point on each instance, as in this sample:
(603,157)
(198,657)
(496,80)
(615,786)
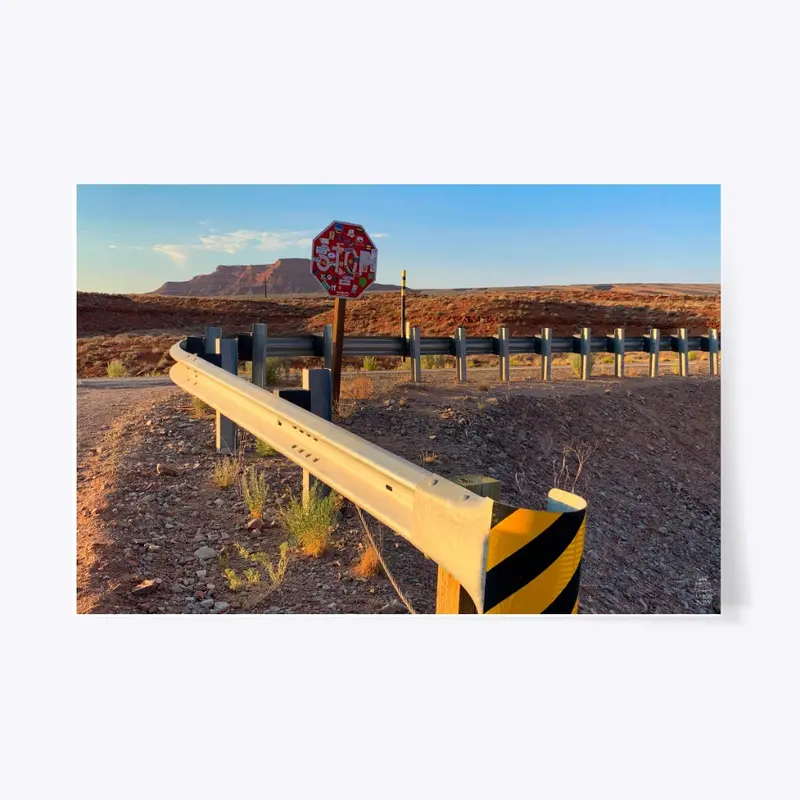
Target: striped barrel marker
(534,557)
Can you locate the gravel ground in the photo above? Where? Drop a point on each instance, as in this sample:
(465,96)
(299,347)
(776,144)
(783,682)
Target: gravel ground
(652,481)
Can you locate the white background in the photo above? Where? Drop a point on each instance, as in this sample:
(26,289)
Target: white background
(399,707)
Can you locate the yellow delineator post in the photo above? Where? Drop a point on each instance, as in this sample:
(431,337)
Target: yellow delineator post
(533,557)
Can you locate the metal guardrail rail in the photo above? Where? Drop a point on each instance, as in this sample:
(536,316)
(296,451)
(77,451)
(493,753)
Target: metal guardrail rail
(458,529)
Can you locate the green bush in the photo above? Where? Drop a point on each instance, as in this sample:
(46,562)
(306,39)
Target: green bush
(370,363)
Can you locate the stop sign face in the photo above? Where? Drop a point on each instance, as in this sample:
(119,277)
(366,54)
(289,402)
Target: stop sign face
(344,259)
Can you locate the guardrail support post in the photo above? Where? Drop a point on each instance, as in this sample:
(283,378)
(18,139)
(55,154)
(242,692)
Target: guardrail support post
(586,353)
(460,342)
(504,350)
(654,346)
(416,355)
(226,428)
(260,354)
(327,346)
(683,352)
(212,337)
(450,595)
(713,351)
(319,383)
(619,352)
(547,354)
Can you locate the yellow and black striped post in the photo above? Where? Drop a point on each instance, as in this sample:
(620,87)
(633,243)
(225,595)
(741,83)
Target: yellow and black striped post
(533,563)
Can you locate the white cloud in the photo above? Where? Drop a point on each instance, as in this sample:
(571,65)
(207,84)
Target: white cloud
(176,252)
(379,235)
(274,241)
(113,246)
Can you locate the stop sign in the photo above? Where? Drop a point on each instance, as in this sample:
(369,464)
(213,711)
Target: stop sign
(344,259)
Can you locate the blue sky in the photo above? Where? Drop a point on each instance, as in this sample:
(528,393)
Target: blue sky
(134,238)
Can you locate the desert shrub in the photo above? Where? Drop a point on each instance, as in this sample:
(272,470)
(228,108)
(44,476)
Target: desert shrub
(265,449)
(254,490)
(199,408)
(276,371)
(225,472)
(368,564)
(433,362)
(360,388)
(575,362)
(116,369)
(519,360)
(694,355)
(370,363)
(311,525)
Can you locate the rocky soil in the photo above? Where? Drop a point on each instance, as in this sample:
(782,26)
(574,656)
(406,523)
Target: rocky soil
(156,539)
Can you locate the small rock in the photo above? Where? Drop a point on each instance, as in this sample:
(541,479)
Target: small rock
(255,524)
(207,603)
(166,469)
(219,501)
(205,552)
(662,530)
(201,573)
(145,587)
(153,548)
(198,595)
(221,606)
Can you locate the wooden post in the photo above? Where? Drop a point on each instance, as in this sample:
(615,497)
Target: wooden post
(683,352)
(450,595)
(547,354)
(320,385)
(416,355)
(327,346)
(403,314)
(586,353)
(619,352)
(713,351)
(654,347)
(338,345)
(460,341)
(504,349)
(226,428)
(260,354)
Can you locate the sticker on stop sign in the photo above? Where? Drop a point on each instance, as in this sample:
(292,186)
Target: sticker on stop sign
(344,259)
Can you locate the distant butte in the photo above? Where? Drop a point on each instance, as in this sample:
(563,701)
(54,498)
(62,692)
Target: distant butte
(286,276)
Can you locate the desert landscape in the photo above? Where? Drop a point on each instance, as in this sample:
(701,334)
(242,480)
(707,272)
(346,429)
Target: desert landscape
(161,530)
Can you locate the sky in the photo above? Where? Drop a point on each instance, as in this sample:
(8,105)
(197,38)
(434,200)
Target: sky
(133,238)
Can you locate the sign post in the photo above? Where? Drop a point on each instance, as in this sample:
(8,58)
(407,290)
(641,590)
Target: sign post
(403,313)
(344,260)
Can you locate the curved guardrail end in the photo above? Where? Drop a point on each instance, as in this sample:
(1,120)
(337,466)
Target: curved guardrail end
(534,557)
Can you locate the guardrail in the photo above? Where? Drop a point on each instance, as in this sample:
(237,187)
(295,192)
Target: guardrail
(492,558)
(503,345)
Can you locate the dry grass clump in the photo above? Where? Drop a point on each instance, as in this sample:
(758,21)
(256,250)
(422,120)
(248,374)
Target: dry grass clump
(369,563)
(116,369)
(429,457)
(255,490)
(268,581)
(370,363)
(275,371)
(225,472)
(200,409)
(311,525)
(575,362)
